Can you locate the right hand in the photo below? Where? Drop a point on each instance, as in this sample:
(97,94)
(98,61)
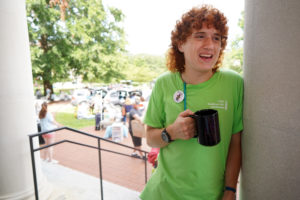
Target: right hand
(183,127)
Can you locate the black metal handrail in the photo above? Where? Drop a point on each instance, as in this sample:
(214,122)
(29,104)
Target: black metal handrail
(32,150)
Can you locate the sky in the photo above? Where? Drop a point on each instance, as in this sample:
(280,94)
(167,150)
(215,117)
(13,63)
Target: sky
(148,23)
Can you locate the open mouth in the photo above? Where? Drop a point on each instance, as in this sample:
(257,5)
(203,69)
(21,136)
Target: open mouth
(206,56)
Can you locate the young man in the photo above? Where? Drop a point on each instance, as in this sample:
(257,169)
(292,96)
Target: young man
(186,169)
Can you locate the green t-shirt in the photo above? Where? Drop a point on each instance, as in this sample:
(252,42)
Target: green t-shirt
(186,169)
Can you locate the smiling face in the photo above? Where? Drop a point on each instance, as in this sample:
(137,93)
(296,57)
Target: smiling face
(198,19)
(201,49)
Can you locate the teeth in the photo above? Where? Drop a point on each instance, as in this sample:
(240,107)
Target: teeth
(206,55)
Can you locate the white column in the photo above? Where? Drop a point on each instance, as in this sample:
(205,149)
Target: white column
(271,138)
(17,115)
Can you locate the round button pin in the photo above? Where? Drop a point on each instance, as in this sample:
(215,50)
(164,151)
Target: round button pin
(178,96)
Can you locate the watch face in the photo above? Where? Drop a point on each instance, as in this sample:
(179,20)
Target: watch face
(165,137)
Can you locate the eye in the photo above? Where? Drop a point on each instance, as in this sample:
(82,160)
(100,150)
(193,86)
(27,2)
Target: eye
(199,36)
(217,38)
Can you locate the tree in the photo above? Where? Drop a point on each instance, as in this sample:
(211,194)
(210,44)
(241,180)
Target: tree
(87,43)
(234,57)
(99,40)
(143,67)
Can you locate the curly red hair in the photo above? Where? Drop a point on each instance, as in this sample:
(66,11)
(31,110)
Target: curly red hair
(190,21)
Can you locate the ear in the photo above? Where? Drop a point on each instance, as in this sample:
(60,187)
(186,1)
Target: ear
(180,47)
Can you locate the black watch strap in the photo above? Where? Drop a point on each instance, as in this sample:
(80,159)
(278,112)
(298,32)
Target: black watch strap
(166,136)
(230,189)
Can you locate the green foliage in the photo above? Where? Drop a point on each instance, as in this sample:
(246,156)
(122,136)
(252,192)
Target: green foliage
(49,44)
(241,22)
(233,58)
(144,68)
(99,40)
(87,43)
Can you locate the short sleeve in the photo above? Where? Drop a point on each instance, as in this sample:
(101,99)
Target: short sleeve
(238,107)
(155,115)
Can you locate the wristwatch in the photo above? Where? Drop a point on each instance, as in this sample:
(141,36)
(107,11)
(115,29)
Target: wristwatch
(165,136)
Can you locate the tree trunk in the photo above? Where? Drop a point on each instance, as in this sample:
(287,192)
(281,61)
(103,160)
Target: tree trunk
(47,84)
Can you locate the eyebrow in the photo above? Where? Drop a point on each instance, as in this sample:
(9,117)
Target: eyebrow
(197,33)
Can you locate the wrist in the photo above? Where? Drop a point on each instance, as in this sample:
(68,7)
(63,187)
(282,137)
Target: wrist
(229,195)
(230,189)
(169,129)
(165,136)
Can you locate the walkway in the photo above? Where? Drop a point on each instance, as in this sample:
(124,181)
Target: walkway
(121,170)
(69,184)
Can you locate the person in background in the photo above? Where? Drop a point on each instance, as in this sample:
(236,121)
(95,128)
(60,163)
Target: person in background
(135,114)
(117,123)
(48,93)
(126,109)
(38,94)
(186,169)
(47,123)
(38,107)
(98,107)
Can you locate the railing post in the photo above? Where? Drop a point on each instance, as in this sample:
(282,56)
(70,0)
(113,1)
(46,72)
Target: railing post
(100,168)
(33,169)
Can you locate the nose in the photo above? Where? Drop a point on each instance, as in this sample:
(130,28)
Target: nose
(208,43)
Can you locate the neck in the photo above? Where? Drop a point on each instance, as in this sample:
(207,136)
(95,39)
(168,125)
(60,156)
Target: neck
(196,78)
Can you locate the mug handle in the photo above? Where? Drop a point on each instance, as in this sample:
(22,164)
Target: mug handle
(196,123)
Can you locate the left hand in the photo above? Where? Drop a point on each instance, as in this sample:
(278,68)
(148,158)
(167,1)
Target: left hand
(228,195)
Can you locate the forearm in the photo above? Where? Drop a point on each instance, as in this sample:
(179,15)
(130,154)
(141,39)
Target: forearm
(154,139)
(183,128)
(234,160)
(138,118)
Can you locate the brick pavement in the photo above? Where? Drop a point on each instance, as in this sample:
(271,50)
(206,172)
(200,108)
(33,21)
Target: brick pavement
(122,170)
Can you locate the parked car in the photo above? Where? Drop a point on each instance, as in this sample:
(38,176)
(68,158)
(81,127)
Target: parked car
(80,95)
(99,91)
(135,93)
(116,97)
(62,96)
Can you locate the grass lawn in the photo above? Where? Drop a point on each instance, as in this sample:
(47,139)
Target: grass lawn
(67,118)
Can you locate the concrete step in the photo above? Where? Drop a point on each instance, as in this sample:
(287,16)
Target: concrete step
(69,184)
